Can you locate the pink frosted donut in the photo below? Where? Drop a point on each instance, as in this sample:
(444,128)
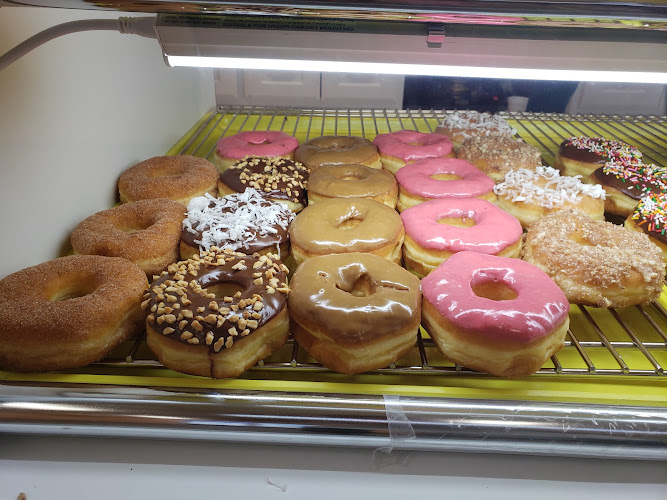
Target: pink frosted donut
(435,178)
(502,316)
(397,149)
(436,229)
(263,143)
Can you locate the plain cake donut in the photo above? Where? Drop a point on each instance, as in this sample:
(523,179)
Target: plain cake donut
(259,143)
(352,181)
(337,150)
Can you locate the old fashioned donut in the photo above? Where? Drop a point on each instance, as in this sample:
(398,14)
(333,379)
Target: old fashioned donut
(501,316)
(179,178)
(245,221)
(531,194)
(146,232)
(337,150)
(218,314)
(650,217)
(441,178)
(584,155)
(344,225)
(462,125)
(354,312)
(259,143)
(595,262)
(497,155)
(398,149)
(277,179)
(68,312)
(352,181)
(437,229)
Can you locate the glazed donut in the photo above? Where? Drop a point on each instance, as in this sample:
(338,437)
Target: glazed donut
(179,178)
(259,143)
(531,194)
(145,232)
(218,314)
(595,262)
(650,217)
(584,155)
(354,312)
(397,149)
(352,181)
(436,229)
(337,150)
(500,316)
(68,312)
(344,225)
(279,180)
(246,221)
(496,155)
(441,178)
(462,125)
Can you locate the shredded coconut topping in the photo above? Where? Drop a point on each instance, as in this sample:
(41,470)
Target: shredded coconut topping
(473,123)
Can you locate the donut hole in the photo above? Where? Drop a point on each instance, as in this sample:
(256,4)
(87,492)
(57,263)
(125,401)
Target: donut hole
(350,221)
(363,286)
(457,221)
(166,172)
(73,292)
(494,290)
(445,177)
(351,177)
(224,289)
(133,226)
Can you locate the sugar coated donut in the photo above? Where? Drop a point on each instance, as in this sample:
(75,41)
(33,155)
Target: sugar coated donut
(436,178)
(261,143)
(584,155)
(354,312)
(218,314)
(352,181)
(595,262)
(344,225)
(650,217)
(501,316)
(277,179)
(397,149)
(338,150)
(436,229)
(245,221)
(179,178)
(145,232)
(68,312)
(531,194)
(496,155)
(462,125)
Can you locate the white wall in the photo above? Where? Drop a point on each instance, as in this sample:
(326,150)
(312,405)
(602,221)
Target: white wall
(74,114)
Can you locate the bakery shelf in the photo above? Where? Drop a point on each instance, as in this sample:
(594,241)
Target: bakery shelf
(604,394)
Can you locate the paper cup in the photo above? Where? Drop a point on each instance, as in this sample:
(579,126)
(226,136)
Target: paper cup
(517,103)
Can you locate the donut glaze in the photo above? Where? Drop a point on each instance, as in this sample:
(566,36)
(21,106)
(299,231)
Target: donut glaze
(337,150)
(410,145)
(352,181)
(257,143)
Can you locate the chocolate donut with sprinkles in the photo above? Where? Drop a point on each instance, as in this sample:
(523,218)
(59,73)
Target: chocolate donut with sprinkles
(584,155)
(650,216)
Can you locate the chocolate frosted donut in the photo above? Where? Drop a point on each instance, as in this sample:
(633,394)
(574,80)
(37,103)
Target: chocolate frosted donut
(583,155)
(337,150)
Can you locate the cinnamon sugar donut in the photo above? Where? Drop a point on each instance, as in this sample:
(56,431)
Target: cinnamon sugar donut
(595,262)
(145,232)
(462,125)
(496,155)
(337,150)
(258,143)
(179,178)
(352,181)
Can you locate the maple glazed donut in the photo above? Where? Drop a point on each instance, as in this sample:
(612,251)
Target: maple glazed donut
(397,149)
(595,262)
(462,125)
(354,312)
(650,217)
(584,155)
(179,178)
(218,314)
(145,232)
(68,312)
(438,178)
(492,314)
(277,179)
(338,150)
(496,155)
(259,143)
(352,181)
(437,229)
(344,225)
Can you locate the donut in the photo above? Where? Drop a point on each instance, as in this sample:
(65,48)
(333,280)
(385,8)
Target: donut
(436,229)
(69,312)
(344,225)
(650,217)
(277,179)
(354,312)
(179,178)
(584,155)
(218,314)
(462,125)
(595,263)
(245,221)
(397,149)
(441,178)
(352,181)
(337,150)
(259,143)
(531,194)
(496,155)
(492,314)
(145,232)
